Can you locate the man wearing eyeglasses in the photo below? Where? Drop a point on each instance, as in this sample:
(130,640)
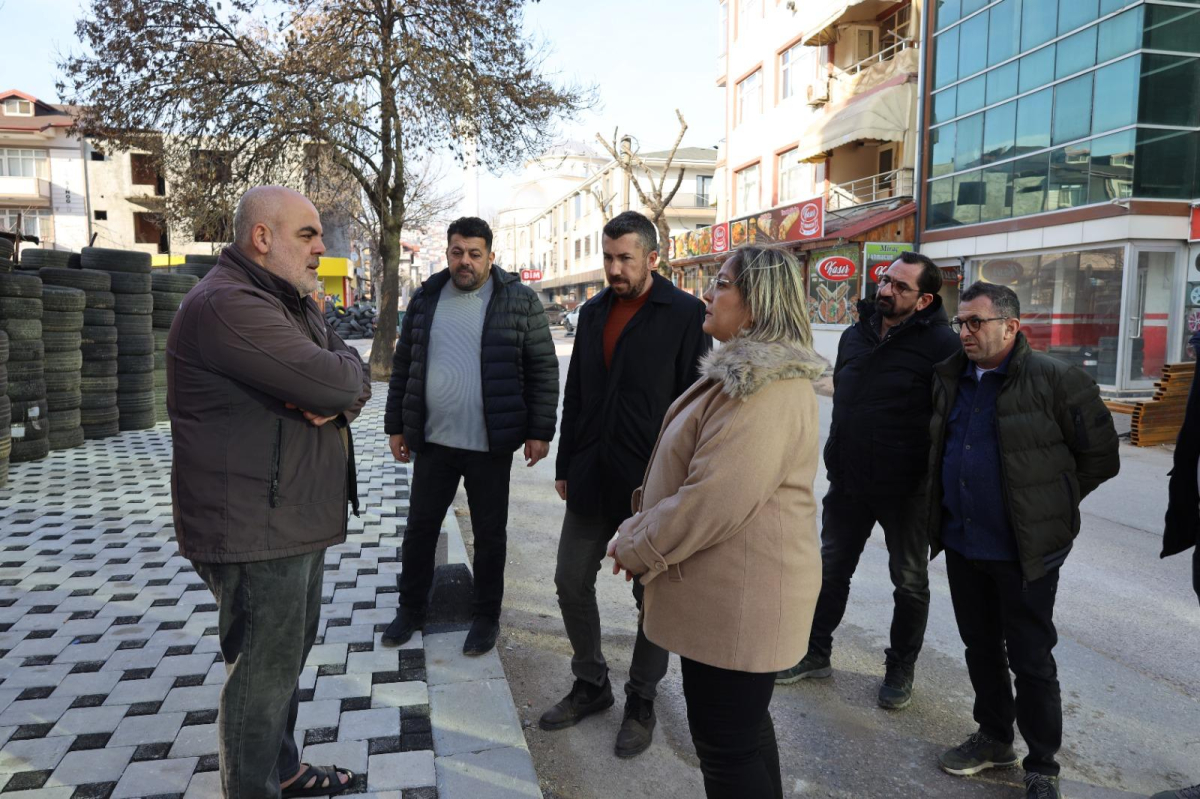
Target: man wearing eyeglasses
(1018,440)
(876,455)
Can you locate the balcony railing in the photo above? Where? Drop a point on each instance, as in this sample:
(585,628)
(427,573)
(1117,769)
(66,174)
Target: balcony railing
(32,191)
(886,54)
(682,200)
(884,186)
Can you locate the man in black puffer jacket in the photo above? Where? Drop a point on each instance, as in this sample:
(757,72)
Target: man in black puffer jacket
(474,378)
(876,456)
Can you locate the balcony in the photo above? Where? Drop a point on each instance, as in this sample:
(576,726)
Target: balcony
(33,192)
(884,55)
(871,189)
(701,201)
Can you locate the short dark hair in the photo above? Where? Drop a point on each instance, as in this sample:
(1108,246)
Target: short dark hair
(470,227)
(930,281)
(633,222)
(1004,299)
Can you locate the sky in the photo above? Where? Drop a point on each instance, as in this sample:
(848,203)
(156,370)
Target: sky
(645,57)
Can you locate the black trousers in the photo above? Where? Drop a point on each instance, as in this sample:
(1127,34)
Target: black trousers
(1007,623)
(846,524)
(436,474)
(729,717)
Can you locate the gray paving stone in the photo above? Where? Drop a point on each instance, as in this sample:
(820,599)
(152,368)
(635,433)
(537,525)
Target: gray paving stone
(323,713)
(370,662)
(81,720)
(200,697)
(326,655)
(37,676)
(346,754)
(35,711)
(182,665)
(445,662)
(198,739)
(473,716)
(155,728)
(92,765)
(38,754)
(360,725)
(204,786)
(400,694)
(401,770)
(495,774)
(341,686)
(100,682)
(131,692)
(42,793)
(155,777)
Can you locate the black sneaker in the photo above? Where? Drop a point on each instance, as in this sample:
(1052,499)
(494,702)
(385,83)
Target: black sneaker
(1183,793)
(637,729)
(977,753)
(1040,786)
(812,667)
(402,627)
(482,636)
(584,700)
(896,691)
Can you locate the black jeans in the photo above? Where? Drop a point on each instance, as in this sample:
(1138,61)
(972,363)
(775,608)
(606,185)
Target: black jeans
(846,524)
(581,550)
(268,614)
(436,472)
(1006,623)
(728,714)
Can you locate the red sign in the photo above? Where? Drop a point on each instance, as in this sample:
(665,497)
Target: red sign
(812,219)
(531,275)
(836,267)
(1002,272)
(720,237)
(1194,235)
(877,270)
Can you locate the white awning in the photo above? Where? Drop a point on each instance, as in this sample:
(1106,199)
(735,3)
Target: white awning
(823,29)
(885,115)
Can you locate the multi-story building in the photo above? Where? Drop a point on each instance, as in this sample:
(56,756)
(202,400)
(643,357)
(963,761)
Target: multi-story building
(1062,146)
(820,144)
(43,189)
(551,228)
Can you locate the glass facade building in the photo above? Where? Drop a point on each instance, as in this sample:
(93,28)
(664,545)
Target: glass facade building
(1045,105)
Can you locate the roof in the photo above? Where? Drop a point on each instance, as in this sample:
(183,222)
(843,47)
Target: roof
(45,115)
(685,154)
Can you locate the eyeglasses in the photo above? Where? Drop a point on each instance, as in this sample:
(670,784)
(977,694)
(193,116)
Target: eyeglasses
(897,287)
(973,323)
(719,283)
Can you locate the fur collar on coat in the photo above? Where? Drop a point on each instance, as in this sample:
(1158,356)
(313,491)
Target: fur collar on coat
(744,366)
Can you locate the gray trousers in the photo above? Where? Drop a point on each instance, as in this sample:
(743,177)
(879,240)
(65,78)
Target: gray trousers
(581,551)
(268,613)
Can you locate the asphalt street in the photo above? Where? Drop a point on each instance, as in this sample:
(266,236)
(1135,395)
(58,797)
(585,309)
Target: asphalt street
(1129,635)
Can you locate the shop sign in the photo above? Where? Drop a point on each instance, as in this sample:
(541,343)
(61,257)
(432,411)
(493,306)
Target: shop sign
(836,268)
(531,275)
(1002,272)
(834,286)
(1194,235)
(720,237)
(700,241)
(681,246)
(796,222)
(879,255)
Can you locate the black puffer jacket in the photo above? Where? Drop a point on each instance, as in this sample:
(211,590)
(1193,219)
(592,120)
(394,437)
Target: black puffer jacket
(879,436)
(1183,518)
(1057,445)
(519,367)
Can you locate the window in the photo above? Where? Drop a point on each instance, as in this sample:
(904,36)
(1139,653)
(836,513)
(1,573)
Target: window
(948,11)
(749,96)
(1119,35)
(97,154)
(942,140)
(148,229)
(142,171)
(895,27)
(703,192)
(1002,83)
(1033,121)
(999,132)
(24,164)
(212,165)
(1072,109)
(968,150)
(578,208)
(578,248)
(16,107)
(100,216)
(945,105)
(1116,103)
(1111,174)
(972,94)
(1029,184)
(1171,28)
(1039,23)
(748,196)
(723,30)
(1004,22)
(792,72)
(1037,69)
(968,196)
(32,223)
(1068,186)
(972,46)
(945,65)
(997,193)
(1165,164)
(1073,13)
(1076,53)
(795,177)
(1165,79)
(747,9)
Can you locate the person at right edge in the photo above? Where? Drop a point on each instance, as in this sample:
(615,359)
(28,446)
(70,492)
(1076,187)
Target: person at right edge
(875,456)
(1019,438)
(1183,511)
(637,349)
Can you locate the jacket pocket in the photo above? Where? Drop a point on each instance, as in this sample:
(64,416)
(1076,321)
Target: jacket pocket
(675,573)
(276,457)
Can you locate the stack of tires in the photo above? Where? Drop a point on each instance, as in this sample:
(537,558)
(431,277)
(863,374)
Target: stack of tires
(196,265)
(21,319)
(6,255)
(5,410)
(169,291)
(33,259)
(98,347)
(129,273)
(62,323)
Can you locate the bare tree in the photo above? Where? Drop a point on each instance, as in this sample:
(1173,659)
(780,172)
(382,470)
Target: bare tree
(382,83)
(652,195)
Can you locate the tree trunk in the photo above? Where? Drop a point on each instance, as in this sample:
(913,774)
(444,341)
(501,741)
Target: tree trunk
(388,293)
(664,246)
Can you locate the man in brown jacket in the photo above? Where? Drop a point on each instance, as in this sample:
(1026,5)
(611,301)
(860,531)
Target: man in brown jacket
(261,395)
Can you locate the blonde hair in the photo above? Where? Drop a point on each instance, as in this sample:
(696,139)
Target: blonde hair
(772,286)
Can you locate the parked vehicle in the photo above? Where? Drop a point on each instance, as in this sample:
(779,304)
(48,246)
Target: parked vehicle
(571,320)
(555,312)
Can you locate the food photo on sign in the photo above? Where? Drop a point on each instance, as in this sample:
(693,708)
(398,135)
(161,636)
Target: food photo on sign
(834,281)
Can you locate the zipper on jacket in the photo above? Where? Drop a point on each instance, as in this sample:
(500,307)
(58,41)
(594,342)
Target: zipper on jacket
(276,454)
(1081,435)
(487,317)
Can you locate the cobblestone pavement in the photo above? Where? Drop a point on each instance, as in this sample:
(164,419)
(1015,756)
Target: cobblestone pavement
(109,666)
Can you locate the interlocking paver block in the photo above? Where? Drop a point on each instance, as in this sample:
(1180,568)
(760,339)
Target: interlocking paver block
(401,770)
(93,765)
(155,728)
(34,755)
(161,776)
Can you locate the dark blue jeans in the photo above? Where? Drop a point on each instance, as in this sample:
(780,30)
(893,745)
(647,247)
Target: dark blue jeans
(846,524)
(268,613)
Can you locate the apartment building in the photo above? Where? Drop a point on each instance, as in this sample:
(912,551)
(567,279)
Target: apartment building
(550,229)
(43,188)
(821,142)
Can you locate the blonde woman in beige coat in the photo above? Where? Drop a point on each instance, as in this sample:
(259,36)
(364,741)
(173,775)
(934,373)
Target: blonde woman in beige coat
(724,534)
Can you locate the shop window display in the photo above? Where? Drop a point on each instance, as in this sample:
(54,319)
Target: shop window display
(834,285)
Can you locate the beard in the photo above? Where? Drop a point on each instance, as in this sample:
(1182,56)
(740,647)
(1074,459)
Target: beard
(626,288)
(465,279)
(886,307)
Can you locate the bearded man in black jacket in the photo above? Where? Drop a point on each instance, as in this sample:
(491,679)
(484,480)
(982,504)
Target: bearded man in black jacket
(876,455)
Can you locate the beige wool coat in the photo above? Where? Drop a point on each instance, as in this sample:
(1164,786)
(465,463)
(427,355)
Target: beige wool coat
(724,531)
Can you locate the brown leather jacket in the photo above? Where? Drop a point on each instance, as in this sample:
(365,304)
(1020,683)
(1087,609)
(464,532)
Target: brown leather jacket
(252,479)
